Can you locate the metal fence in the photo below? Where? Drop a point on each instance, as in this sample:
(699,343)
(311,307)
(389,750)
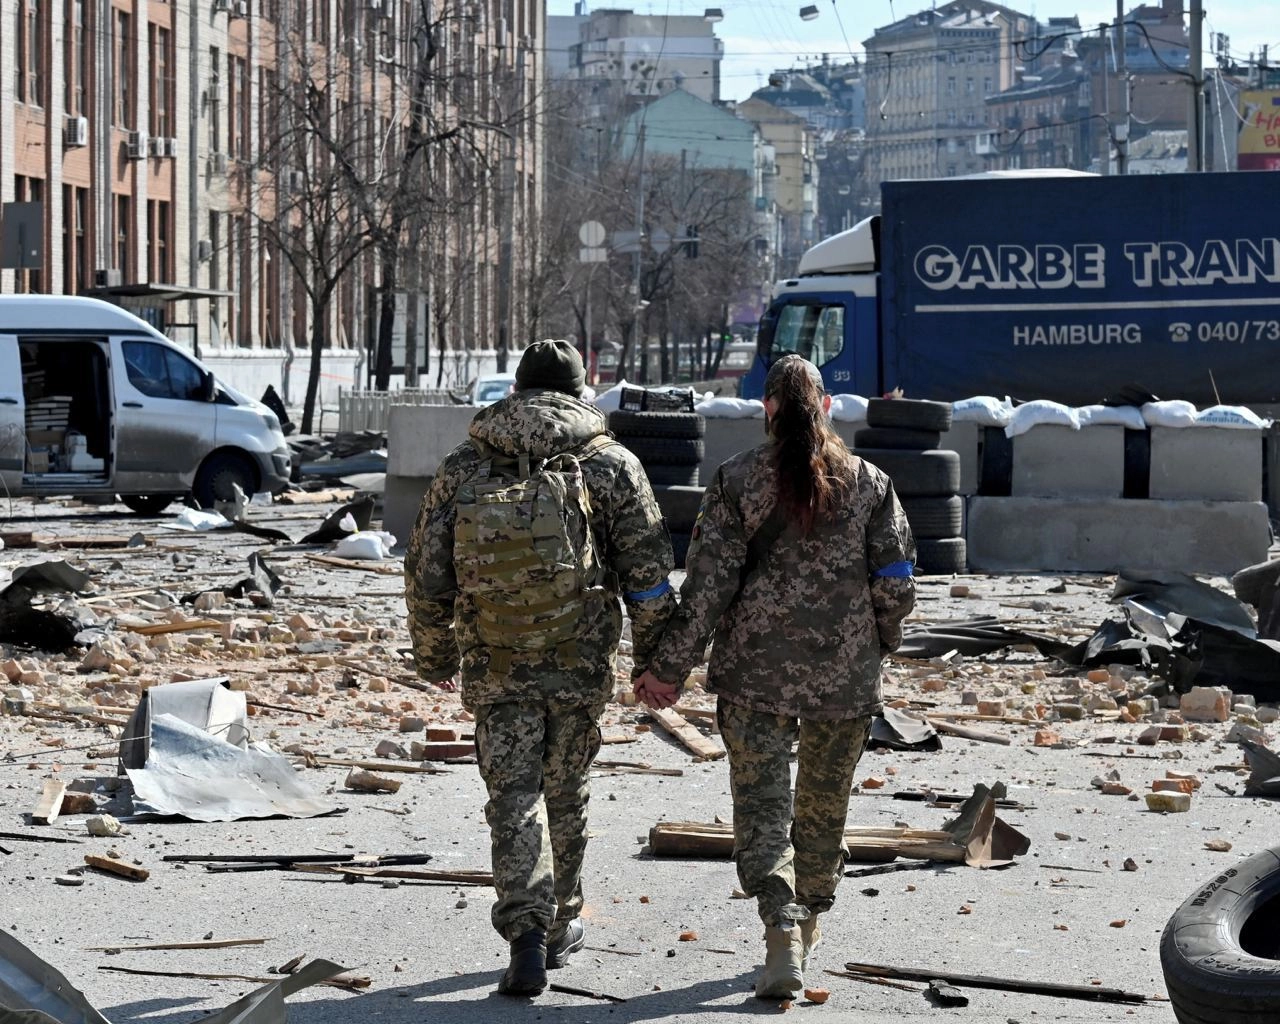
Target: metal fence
(370,410)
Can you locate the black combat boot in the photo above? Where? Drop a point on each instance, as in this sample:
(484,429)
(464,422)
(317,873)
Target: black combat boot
(526,975)
(568,942)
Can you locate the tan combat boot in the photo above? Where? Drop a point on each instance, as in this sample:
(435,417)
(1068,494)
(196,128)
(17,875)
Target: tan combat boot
(782,976)
(810,936)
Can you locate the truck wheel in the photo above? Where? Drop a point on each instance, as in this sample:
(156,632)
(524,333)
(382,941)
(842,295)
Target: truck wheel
(942,556)
(910,413)
(687,425)
(935,518)
(1252,582)
(1220,952)
(917,474)
(217,475)
(897,437)
(672,476)
(146,504)
(665,451)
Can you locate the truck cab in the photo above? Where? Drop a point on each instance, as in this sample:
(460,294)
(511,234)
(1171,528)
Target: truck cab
(828,314)
(94,400)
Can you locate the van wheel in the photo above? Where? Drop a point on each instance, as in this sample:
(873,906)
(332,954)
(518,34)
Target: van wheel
(218,475)
(147,504)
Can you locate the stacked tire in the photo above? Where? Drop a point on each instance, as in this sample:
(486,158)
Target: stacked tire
(670,447)
(903,438)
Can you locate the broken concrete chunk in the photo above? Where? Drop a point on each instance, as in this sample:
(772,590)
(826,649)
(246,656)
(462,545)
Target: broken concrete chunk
(1169,802)
(390,748)
(103,825)
(1069,712)
(1206,704)
(367,782)
(1239,731)
(412,723)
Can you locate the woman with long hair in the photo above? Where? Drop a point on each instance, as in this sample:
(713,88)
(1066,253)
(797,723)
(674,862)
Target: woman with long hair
(801,565)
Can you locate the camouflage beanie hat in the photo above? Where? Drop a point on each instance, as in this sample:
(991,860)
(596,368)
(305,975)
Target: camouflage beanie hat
(555,365)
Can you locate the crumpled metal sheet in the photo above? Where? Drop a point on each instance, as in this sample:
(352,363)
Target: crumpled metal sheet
(33,992)
(1264,768)
(209,704)
(192,774)
(892,729)
(989,841)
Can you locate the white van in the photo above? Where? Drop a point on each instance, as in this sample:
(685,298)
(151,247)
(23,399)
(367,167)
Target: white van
(94,400)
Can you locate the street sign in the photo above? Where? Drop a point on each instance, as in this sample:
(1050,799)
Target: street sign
(592,234)
(591,254)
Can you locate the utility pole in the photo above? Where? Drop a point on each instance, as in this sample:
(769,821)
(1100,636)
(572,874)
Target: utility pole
(635,298)
(1122,72)
(1195,122)
(1105,162)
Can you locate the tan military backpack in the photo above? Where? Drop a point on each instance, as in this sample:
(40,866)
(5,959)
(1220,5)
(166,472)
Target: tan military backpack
(523,548)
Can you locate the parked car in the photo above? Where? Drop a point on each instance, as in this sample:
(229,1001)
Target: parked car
(95,401)
(491,388)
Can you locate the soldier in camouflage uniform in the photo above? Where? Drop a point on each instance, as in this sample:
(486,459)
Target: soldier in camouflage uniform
(801,564)
(537,713)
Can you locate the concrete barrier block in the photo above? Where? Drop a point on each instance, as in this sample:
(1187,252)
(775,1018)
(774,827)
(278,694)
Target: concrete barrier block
(965,439)
(420,436)
(1051,461)
(400,505)
(724,439)
(1104,535)
(1206,464)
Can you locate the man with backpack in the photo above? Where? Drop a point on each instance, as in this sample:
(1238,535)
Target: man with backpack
(530,532)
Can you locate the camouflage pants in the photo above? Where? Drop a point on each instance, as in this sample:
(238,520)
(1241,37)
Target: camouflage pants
(791,861)
(534,758)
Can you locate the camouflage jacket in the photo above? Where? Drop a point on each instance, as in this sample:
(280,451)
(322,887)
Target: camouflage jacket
(629,532)
(803,631)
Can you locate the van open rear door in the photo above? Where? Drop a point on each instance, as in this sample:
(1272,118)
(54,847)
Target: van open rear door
(13,430)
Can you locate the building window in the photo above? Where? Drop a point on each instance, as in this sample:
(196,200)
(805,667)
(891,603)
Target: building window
(986,86)
(124,232)
(121,71)
(30,62)
(968,86)
(30,190)
(158,222)
(951,85)
(215,100)
(238,107)
(75,243)
(160,49)
(77,59)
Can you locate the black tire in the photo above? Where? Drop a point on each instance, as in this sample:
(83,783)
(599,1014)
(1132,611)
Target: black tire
(1220,952)
(1253,581)
(672,476)
(935,518)
(941,557)
(910,413)
(218,472)
(688,425)
(917,474)
(666,451)
(147,504)
(680,546)
(679,505)
(897,437)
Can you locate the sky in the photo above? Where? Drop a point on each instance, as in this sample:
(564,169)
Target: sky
(760,36)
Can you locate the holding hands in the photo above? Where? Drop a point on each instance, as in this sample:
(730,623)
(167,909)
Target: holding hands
(654,692)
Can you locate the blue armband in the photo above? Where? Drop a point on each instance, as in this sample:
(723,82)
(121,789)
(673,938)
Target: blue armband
(648,595)
(895,570)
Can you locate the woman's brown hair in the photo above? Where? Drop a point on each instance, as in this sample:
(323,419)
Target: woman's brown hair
(811,460)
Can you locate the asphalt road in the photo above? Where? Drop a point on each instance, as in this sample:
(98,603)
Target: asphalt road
(1067,912)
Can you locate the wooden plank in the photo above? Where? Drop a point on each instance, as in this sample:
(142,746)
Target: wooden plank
(418,874)
(353,563)
(967,732)
(347,981)
(314,497)
(86,541)
(1094,993)
(189,626)
(204,944)
(50,802)
(715,840)
(16,540)
(700,746)
(379,766)
(117,867)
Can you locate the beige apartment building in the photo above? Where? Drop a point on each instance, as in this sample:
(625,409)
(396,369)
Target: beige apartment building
(145,132)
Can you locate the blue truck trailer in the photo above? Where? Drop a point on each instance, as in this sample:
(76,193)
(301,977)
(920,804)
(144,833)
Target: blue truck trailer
(1057,286)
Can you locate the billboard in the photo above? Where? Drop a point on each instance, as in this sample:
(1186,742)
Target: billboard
(1259,143)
